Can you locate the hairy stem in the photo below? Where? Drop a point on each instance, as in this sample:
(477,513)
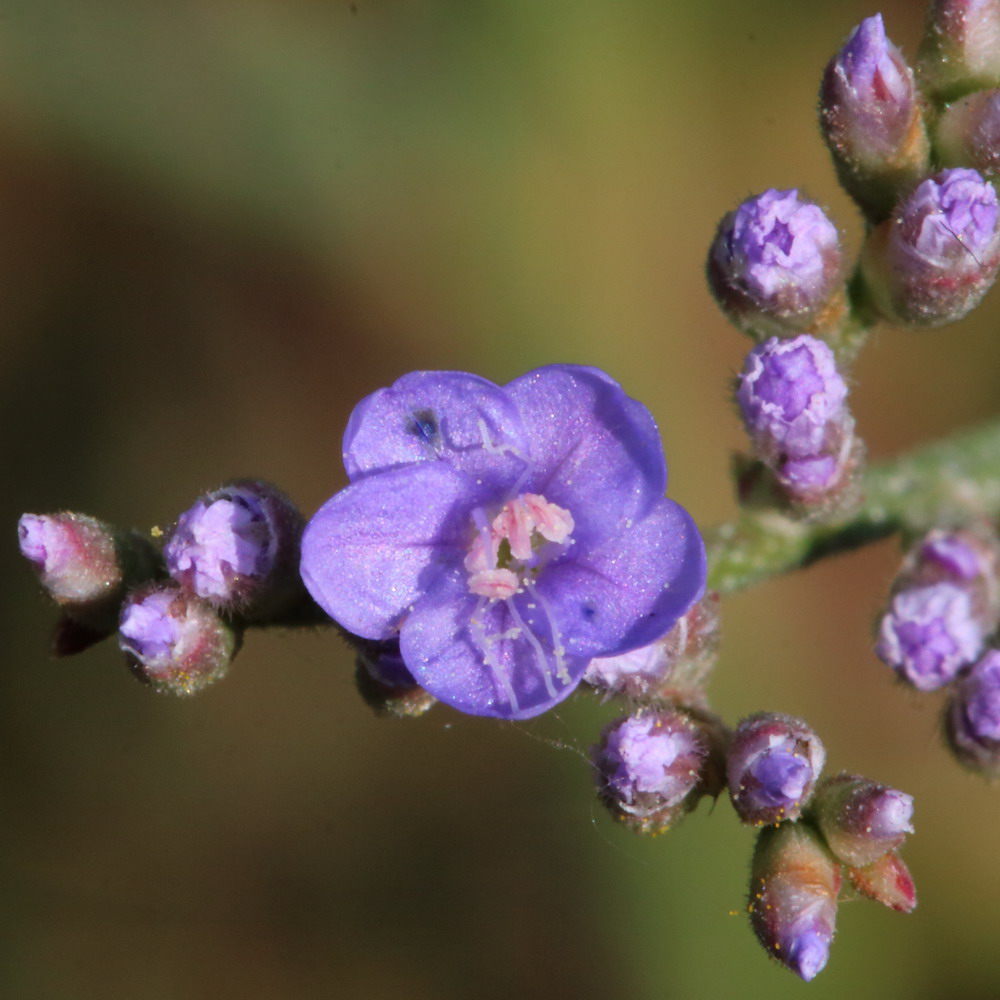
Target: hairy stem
(943,483)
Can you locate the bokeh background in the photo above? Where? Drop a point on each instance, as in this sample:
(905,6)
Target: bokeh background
(221,224)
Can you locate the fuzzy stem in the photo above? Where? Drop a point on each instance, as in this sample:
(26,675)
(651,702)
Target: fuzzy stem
(946,482)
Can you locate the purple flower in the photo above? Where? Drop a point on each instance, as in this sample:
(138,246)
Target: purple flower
(775,262)
(647,767)
(794,885)
(772,765)
(972,718)
(173,640)
(862,820)
(507,535)
(792,399)
(928,635)
(237,548)
(384,681)
(938,256)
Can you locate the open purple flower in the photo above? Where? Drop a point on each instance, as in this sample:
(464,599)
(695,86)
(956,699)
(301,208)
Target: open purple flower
(507,535)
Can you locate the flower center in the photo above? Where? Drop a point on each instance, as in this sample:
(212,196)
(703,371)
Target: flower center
(510,549)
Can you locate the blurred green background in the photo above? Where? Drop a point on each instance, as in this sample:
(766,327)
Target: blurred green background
(221,224)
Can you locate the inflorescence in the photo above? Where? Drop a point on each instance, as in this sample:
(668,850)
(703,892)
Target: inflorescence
(499,547)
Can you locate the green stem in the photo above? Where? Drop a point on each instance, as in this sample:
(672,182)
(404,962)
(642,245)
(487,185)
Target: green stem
(943,483)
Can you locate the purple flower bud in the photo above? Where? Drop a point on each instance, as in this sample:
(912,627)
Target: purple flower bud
(936,258)
(173,640)
(870,117)
(794,883)
(967,134)
(861,820)
(237,548)
(972,717)
(961,48)
(772,765)
(674,668)
(792,399)
(888,881)
(85,565)
(385,683)
(928,635)
(648,766)
(775,265)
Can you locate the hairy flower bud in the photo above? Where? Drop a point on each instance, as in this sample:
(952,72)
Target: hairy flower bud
(776,267)
(928,635)
(674,668)
(772,766)
(793,403)
(972,717)
(648,768)
(888,881)
(385,683)
(961,48)
(173,640)
(86,565)
(861,820)
(871,119)
(238,549)
(936,258)
(967,134)
(794,883)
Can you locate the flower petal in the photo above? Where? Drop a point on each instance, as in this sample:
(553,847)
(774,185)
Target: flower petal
(376,546)
(630,590)
(594,450)
(454,417)
(477,656)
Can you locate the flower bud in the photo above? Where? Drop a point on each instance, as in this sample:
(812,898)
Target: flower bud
(85,566)
(928,635)
(238,549)
(173,640)
(936,258)
(776,267)
(648,768)
(961,48)
(772,765)
(792,399)
(794,883)
(888,881)
(385,683)
(861,820)
(871,119)
(972,717)
(967,134)
(674,668)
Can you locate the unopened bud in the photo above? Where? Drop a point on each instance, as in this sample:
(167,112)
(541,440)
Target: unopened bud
(776,267)
(928,635)
(861,820)
(384,681)
(793,402)
(938,255)
(674,668)
(967,134)
(648,768)
(794,883)
(772,766)
(238,549)
(972,717)
(173,640)
(961,48)
(888,881)
(85,566)
(871,119)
